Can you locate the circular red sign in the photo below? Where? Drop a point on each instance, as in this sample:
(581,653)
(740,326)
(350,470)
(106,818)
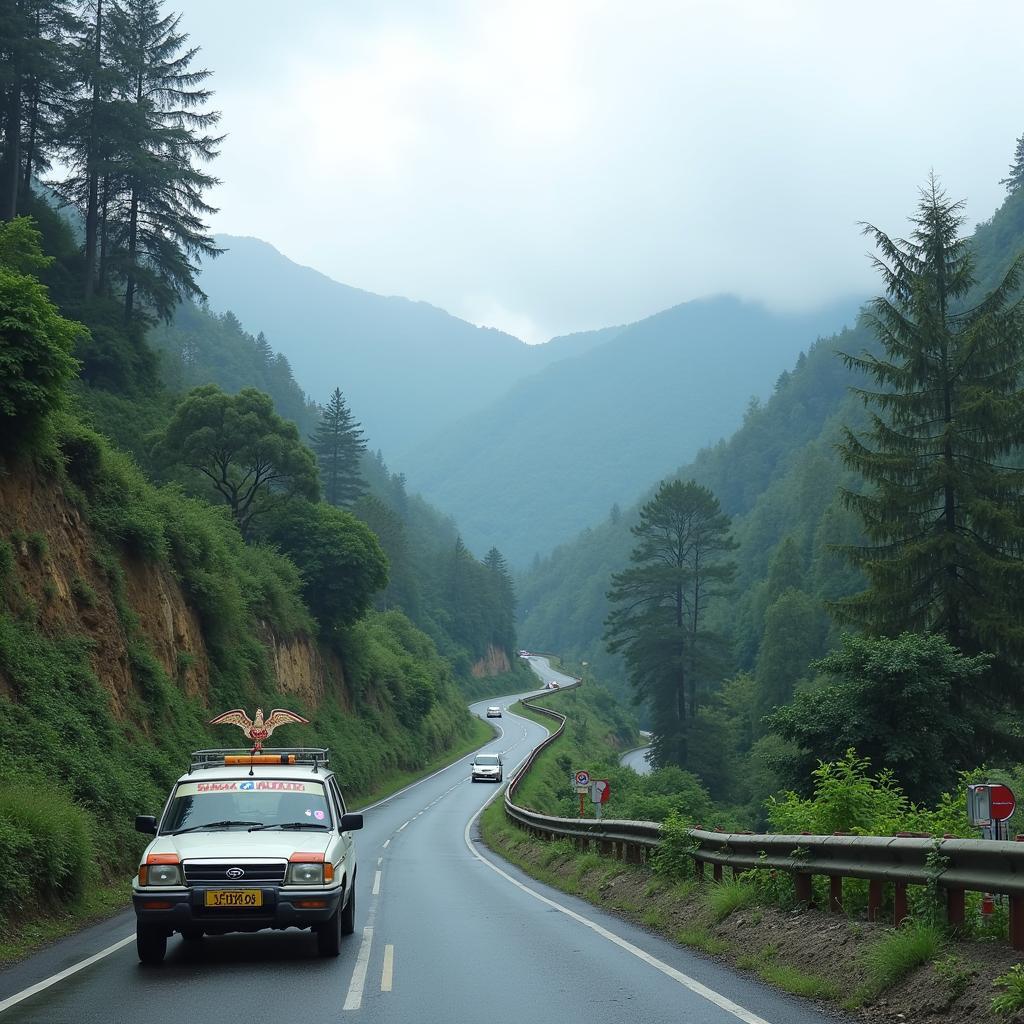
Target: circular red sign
(1002,802)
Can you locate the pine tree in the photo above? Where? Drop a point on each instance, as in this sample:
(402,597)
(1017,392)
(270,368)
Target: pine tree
(503,598)
(679,565)
(339,445)
(161,229)
(944,514)
(1015,179)
(35,83)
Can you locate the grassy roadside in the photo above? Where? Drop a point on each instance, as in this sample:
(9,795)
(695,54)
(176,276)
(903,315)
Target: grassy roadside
(915,973)
(20,939)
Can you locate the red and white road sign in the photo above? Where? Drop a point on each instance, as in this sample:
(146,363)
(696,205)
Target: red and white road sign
(583,778)
(600,790)
(1001,801)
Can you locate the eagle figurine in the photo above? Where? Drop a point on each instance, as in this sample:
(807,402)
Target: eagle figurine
(259,728)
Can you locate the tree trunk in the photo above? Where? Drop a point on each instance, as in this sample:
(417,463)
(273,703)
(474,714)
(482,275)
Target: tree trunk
(103,234)
(11,166)
(30,144)
(133,234)
(92,159)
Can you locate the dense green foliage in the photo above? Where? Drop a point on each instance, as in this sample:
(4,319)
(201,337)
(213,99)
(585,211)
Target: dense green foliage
(912,703)
(36,364)
(250,456)
(679,566)
(343,565)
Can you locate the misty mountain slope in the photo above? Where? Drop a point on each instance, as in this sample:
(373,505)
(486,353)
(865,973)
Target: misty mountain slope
(406,368)
(777,477)
(560,448)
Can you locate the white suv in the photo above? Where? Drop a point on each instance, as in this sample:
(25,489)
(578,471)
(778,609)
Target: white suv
(248,842)
(486,768)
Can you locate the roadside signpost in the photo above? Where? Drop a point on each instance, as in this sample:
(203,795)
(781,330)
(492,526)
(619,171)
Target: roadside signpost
(989,804)
(581,782)
(600,790)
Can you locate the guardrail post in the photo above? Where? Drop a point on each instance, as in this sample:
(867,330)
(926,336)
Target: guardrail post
(606,847)
(899,903)
(698,868)
(804,889)
(835,894)
(582,843)
(717,872)
(874,898)
(1017,922)
(955,907)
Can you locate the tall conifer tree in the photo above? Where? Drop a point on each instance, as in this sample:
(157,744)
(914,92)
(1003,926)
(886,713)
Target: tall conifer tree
(944,511)
(339,445)
(679,565)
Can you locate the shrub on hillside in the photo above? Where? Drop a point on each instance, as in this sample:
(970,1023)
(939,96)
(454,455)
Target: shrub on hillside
(36,364)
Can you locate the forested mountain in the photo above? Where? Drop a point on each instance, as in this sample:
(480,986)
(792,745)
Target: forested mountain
(407,368)
(593,431)
(778,478)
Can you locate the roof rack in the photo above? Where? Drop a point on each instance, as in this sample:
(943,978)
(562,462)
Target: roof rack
(215,758)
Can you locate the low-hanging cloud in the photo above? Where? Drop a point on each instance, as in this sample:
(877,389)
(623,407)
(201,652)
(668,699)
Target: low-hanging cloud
(549,167)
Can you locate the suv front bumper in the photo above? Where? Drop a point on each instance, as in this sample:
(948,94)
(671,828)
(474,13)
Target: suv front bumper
(177,909)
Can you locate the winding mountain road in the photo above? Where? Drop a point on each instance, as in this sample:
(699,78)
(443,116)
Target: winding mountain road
(446,932)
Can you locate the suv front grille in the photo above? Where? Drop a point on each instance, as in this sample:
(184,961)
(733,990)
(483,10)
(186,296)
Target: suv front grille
(269,872)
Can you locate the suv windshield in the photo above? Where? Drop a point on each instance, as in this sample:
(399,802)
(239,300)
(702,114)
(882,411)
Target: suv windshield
(229,803)
(486,759)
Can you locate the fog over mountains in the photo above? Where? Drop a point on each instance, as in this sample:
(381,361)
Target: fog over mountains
(524,444)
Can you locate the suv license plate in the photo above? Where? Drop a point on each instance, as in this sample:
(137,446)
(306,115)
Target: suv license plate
(244,898)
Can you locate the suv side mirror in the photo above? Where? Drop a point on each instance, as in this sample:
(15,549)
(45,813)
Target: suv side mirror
(145,823)
(350,822)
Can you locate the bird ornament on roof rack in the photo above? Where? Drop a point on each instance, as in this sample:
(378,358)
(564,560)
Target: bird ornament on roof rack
(258,729)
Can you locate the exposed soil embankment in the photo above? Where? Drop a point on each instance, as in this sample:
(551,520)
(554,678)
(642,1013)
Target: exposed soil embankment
(64,582)
(494,663)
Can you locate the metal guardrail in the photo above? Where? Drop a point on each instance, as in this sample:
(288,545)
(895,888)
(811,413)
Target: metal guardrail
(954,865)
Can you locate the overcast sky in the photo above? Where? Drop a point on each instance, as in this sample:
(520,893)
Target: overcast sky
(553,166)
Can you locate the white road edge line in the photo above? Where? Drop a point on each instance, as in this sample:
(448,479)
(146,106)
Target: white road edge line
(387,843)
(66,973)
(387,975)
(354,999)
(683,979)
(376,884)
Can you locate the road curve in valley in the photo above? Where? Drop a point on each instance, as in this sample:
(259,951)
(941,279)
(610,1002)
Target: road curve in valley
(445,932)
(637,760)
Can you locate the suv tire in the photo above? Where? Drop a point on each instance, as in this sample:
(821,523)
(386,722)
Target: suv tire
(151,943)
(328,935)
(348,915)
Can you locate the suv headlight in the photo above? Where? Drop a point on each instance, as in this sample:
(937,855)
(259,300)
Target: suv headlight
(306,874)
(163,874)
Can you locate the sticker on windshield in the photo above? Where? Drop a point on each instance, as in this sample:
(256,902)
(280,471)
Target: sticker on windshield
(248,786)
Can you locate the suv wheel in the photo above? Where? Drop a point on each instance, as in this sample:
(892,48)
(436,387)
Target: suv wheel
(348,915)
(151,943)
(328,935)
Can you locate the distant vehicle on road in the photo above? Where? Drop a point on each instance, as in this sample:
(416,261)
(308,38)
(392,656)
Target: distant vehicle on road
(553,685)
(525,654)
(486,768)
(494,712)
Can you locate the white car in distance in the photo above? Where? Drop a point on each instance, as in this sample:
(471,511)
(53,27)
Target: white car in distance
(494,711)
(487,768)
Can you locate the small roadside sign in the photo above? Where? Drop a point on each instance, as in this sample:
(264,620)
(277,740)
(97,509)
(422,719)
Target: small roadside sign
(1002,803)
(583,778)
(600,791)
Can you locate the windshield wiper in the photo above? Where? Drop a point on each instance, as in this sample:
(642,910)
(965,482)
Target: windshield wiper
(210,824)
(290,824)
